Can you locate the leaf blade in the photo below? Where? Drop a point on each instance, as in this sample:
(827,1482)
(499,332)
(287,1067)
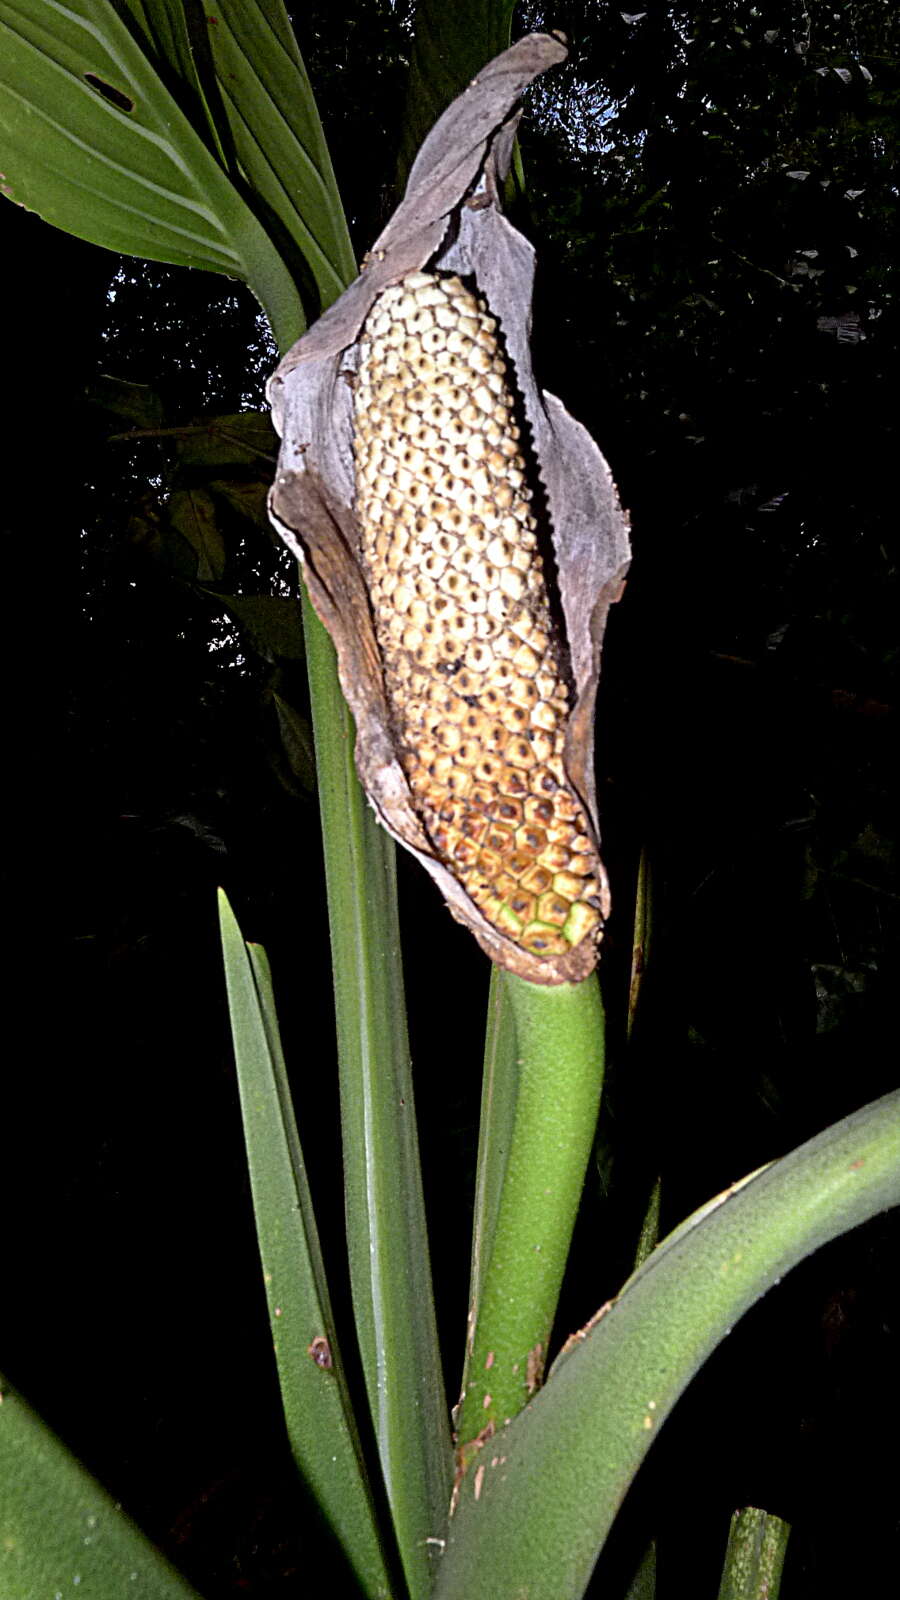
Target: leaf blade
(387,1239)
(278,137)
(320,1423)
(58,1527)
(754,1559)
(93,140)
(495,1128)
(450,45)
(541,1509)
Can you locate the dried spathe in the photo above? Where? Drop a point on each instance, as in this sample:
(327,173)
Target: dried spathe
(413,435)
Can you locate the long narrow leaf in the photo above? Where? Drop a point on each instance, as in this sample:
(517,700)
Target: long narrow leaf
(278,139)
(317,1410)
(92,139)
(757,1546)
(177,34)
(60,1533)
(386,1230)
(589,1430)
(642,933)
(386,1233)
(498,1109)
(450,45)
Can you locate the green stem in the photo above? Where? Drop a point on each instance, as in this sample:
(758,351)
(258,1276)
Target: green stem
(559,1062)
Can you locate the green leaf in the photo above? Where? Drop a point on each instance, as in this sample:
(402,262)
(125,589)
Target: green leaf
(276,131)
(136,402)
(387,1239)
(192,513)
(274,625)
(641,938)
(246,497)
(60,1533)
(244,439)
(93,140)
(176,31)
(499,1084)
(297,743)
(320,1422)
(450,45)
(536,1508)
(648,1237)
(757,1545)
(278,139)
(643,1584)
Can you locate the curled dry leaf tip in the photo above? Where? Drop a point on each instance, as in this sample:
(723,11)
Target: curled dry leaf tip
(462,541)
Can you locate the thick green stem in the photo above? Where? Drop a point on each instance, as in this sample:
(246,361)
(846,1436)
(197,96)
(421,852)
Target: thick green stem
(559,1062)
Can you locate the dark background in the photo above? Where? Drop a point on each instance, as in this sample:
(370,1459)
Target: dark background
(712,191)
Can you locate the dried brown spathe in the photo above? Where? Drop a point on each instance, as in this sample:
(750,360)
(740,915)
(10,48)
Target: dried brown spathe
(371,583)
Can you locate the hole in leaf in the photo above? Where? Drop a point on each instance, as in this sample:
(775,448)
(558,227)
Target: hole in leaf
(122,102)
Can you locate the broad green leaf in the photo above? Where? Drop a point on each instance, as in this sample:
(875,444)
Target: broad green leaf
(320,1422)
(136,402)
(235,439)
(246,496)
(537,1505)
(451,44)
(387,1239)
(297,743)
(245,438)
(192,513)
(60,1533)
(278,139)
(93,140)
(274,625)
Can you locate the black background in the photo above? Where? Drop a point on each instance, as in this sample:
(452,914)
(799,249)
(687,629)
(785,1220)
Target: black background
(746,740)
